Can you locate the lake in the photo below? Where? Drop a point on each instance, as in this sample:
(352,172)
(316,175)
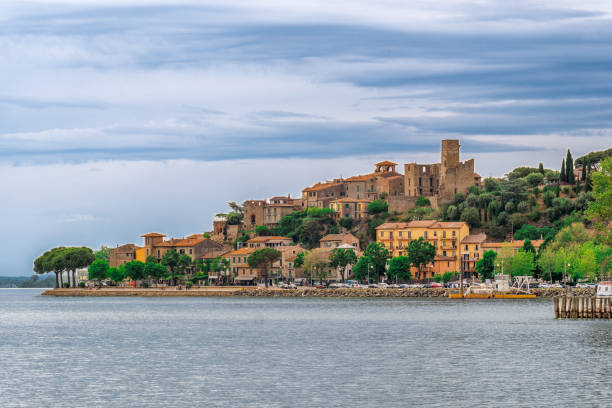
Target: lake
(288,352)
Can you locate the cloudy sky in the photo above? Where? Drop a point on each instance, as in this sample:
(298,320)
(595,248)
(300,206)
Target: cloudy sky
(122,117)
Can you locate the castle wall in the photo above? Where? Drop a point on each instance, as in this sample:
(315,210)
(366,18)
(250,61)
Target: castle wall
(421,179)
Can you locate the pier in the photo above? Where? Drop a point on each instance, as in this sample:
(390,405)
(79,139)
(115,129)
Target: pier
(582,307)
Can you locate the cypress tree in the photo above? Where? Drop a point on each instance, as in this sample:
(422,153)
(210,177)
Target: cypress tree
(562,173)
(569,168)
(541,168)
(583,173)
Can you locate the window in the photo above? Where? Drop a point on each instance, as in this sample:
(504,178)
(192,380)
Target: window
(444,253)
(390,234)
(466,247)
(190,251)
(399,233)
(382,234)
(454,253)
(357,188)
(425,234)
(443,234)
(435,233)
(454,234)
(477,247)
(409,234)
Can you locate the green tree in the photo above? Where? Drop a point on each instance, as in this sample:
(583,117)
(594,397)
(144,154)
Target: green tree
(535,179)
(378,255)
(184,263)
(522,264)
(486,265)
(341,258)
(399,268)
(103,253)
(155,271)
(115,274)
(346,222)
(569,168)
(420,253)
(470,216)
(451,213)
(362,269)
(98,270)
(377,207)
(541,168)
(298,262)
(600,210)
(447,276)
(45,264)
(310,233)
(135,270)
(262,230)
(170,260)
(151,259)
(562,173)
(528,246)
(77,258)
(263,259)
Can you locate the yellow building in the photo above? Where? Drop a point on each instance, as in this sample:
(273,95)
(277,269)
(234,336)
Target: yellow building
(350,208)
(471,252)
(445,236)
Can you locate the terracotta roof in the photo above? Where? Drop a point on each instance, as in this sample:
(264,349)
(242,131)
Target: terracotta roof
(194,236)
(513,244)
(268,238)
(386,163)
(321,186)
(126,247)
(452,224)
(476,175)
(350,200)
(422,224)
(153,234)
(337,237)
(363,177)
(281,198)
(474,239)
(240,251)
(393,225)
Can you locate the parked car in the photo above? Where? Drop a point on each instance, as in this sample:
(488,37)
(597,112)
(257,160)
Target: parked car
(382,285)
(436,285)
(319,286)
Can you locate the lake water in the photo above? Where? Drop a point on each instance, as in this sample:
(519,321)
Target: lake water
(285,352)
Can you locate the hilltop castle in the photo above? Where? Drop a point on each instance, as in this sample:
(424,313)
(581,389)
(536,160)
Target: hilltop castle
(349,197)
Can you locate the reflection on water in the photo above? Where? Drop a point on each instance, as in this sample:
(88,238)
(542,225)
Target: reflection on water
(177,352)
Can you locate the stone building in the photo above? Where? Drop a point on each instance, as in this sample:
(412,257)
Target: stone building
(337,240)
(122,254)
(269,212)
(321,194)
(349,207)
(444,179)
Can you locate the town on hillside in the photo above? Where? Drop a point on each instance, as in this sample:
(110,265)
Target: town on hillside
(433,222)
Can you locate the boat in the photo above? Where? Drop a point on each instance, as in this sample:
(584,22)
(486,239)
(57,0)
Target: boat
(499,289)
(604,290)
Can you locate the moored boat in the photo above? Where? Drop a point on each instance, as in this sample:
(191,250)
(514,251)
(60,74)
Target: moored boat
(604,289)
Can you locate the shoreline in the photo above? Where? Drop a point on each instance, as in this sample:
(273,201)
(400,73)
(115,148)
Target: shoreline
(245,291)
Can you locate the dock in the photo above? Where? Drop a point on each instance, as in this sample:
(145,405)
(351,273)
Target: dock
(582,307)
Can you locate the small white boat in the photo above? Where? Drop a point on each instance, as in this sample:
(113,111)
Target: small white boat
(604,289)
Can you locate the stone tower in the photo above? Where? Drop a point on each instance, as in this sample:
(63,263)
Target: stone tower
(450,154)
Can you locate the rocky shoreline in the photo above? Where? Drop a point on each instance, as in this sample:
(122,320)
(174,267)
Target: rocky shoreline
(300,292)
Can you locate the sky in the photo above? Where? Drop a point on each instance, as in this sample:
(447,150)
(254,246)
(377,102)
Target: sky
(123,117)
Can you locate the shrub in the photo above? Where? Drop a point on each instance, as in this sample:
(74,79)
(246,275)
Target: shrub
(81,284)
(346,222)
(447,276)
(423,202)
(262,230)
(66,284)
(509,207)
(437,277)
(566,190)
(377,207)
(548,198)
(534,179)
(188,285)
(535,216)
(522,207)
(471,216)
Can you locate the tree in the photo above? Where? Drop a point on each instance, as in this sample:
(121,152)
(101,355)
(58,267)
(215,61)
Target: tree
(600,210)
(548,198)
(103,253)
(263,259)
(317,264)
(155,271)
(541,168)
(528,246)
(184,263)
(451,213)
(447,276)
(310,233)
(45,264)
(151,259)
(521,264)
(98,270)
(298,262)
(420,253)
(399,268)
(170,260)
(569,168)
(346,222)
(135,270)
(470,216)
(584,169)
(535,179)
(262,230)
(362,268)
(340,258)
(377,207)
(378,255)
(116,274)
(562,174)
(76,258)
(486,265)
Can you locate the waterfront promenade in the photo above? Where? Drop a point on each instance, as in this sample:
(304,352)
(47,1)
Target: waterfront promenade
(217,291)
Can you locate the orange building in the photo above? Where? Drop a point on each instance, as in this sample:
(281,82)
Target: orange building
(445,236)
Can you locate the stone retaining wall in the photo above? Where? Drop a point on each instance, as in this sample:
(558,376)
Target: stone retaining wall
(301,292)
